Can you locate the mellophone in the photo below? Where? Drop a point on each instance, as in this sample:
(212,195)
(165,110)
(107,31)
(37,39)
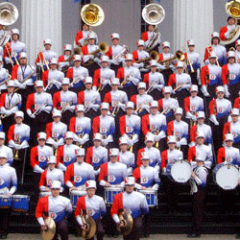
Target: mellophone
(18,203)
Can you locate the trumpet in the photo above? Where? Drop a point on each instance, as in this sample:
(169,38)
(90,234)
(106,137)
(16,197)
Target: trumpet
(39,109)
(66,105)
(156,132)
(116,108)
(126,79)
(16,151)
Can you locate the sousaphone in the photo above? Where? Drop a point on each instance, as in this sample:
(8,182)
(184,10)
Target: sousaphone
(127,219)
(51,229)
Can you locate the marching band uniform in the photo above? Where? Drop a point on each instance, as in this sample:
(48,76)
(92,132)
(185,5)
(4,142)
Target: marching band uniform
(4,74)
(105,125)
(149,35)
(237,51)
(82,36)
(94,206)
(8,186)
(56,207)
(65,101)
(90,99)
(135,203)
(236,103)
(81,126)
(142,100)
(77,74)
(64,60)
(6,149)
(66,154)
(129,76)
(217,48)
(168,105)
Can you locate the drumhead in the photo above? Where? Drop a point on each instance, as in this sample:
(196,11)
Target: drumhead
(181,171)
(113,189)
(20,196)
(147,191)
(227,177)
(78,193)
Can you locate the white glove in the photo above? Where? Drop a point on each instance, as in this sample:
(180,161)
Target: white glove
(159,136)
(227,93)
(24,144)
(178,144)
(3,110)
(183,141)
(155,187)
(204,91)
(164,171)
(191,144)
(214,120)
(141,65)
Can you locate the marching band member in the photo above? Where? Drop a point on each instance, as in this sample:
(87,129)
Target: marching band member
(154,80)
(102,77)
(80,125)
(170,156)
(146,178)
(193,61)
(129,76)
(66,154)
(97,155)
(140,56)
(65,101)
(210,76)
(90,98)
(193,104)
(237,51)
(50,174)
(125,156)
(231,76)
(18,137)
(116,52)
(236,103)
(4,75)
(233,127)
(56,130)
(142,100)
(79,172)
(6,149)
(8,187)
(13,48)
(219,109)
(92,205)
(65,60)
(116,98)
(200,126)
(77,74)
(217,48)
(10,103)
(153,153)
(56,207)
(130,126)
(180,82)
(45,57)
(179,129)
(82,36)
(131,202)
(149,35)
(105,125)
(200,147)
(38,107)
(167,105)
(52,78)
(155,123)
(198,184)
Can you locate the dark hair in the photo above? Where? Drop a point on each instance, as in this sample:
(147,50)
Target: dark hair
(231,18)
(217,38)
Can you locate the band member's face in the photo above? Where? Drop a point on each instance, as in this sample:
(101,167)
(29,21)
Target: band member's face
(113,159)
(200,163)
(124,147)
(167,95)
(234,118)
(65,87)
(15,37)
(80,159)
(178,117)
(231,60)
(88,86)
(129,111)
(97,143)
(91,192)
(3,161)
(53,66)
(231,21)
(69,141)
(80,114)
(153,110)
(171,145)
(140,48)
(141,91)
(128,63)
(238,47)
(77,63)
(41,142)
(220,95)
(18,120)
(179,70)
(10,89)
(215,41)
(149,144)
(200,140)
(85,27)
(114,87)
(67,52)
(55,192)
(104,64)
(166,50)
(150,28)
(201,120)
(115,41)
(212,60)
(129,188)
(56,119)
(153,69)
(47,46)
(145,162)
(1,141)
(191,48)
(39,89)
(91,41)
(104,112)
(51,166)
(23,61)
(229,143)
(194,93)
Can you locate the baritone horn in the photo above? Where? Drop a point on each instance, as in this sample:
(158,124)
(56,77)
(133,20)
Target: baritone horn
(92,14)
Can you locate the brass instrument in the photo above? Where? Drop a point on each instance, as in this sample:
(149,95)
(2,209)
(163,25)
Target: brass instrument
(154,55)
(125,81)
(16,151)
(100,88)
(92,14)
(51,229)
(45,61)
(9,56)
(2,115)
(127,219)
(210,49)
(80,136)
(3,82)
(55,149)
(156,132)
(15,58)
(178,87)
(25,79)
(124,51)
(179,55)
(39,109)
(65,106)
(90,225)
(190,63)
(116,108)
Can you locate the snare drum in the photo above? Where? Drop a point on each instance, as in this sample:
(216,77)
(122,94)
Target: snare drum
(20,203)
(180,171)
(226,176)
(5,201)
(44,194)
(151,197)
(110,192)
(75,195)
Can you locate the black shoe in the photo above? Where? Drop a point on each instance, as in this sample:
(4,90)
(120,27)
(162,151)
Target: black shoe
(194,235)
(237,236)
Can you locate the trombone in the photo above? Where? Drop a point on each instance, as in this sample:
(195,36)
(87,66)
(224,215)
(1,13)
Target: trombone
(189,63)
